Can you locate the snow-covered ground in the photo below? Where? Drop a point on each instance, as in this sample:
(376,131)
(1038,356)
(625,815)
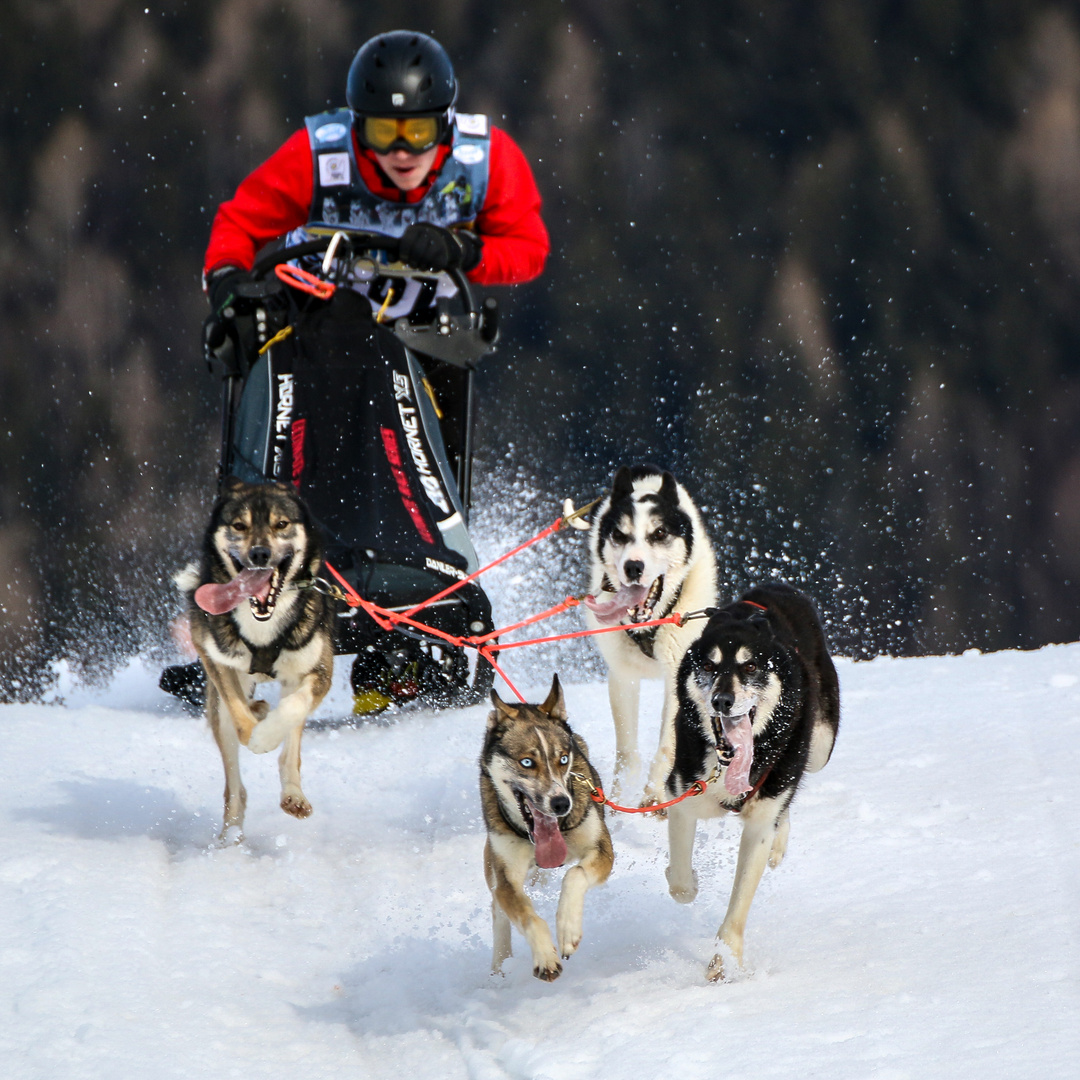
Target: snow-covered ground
(924,924)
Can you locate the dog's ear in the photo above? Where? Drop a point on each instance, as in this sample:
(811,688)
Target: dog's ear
(503,711)
(555,705)
(232,485)
(669,489)
(622,483)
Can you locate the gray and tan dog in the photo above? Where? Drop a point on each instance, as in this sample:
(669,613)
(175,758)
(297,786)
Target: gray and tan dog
(251,623)
(535,786)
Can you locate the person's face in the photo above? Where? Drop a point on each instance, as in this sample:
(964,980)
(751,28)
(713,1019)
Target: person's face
(405,168)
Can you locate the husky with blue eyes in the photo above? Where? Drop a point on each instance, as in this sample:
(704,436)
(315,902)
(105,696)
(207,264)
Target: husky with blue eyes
(535,788)
(759,708)
(650,556)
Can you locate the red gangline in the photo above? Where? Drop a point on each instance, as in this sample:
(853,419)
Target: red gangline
(554,528)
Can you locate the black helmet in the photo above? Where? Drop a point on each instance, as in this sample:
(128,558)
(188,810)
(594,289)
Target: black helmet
(401,72)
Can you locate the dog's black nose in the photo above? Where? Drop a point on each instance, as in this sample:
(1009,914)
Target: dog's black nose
(722,702)
(633,569)
(259,556)
(560,805)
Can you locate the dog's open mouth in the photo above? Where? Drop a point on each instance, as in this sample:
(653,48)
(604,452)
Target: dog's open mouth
(633,603)
(265,600)
(218,598)
(643,612)
(544,832)
(737,733)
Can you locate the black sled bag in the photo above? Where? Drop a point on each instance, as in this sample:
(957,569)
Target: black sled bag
(341,410)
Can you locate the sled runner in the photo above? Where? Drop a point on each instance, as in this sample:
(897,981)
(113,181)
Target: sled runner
(370,414)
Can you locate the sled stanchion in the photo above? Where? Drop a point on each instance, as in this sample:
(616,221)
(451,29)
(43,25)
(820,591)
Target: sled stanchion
(464,469)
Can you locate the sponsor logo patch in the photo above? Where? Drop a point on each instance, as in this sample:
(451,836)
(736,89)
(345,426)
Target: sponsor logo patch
(472,124)
(468,154)
(444,568)
(330,133)
(397,468)
(410,422)
(333,169)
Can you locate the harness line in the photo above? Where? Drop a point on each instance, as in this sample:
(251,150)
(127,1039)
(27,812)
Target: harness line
(486,644)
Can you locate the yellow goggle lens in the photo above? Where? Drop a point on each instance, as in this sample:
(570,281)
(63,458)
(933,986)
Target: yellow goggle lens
(418,132)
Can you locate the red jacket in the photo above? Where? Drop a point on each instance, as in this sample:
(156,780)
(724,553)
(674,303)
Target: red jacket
(276,197)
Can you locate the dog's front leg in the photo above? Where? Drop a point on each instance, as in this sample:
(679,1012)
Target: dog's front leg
(593,870)
(508,891)
(624,694)
(664,759)
(760,820)
(229,744)
(298,699)
(682,827)
(292,798)
(500,924)
(234,697)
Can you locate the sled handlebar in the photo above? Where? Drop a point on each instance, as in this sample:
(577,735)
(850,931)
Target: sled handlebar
(358,244)
(457,339)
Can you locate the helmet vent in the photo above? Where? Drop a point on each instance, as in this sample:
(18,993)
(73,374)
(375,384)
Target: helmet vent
(427,83)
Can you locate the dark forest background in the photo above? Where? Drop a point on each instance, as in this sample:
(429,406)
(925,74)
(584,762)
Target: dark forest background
(820,258)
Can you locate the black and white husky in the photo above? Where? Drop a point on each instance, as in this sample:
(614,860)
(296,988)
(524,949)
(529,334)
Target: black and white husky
(758,708)
(254,617)
(649,556)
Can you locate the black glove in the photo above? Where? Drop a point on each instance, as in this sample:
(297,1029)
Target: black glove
(222,284)
(431,247)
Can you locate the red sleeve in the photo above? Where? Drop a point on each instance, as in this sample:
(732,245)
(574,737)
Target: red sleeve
(272,200)
(515,240)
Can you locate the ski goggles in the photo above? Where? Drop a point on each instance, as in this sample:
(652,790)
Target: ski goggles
(412,133)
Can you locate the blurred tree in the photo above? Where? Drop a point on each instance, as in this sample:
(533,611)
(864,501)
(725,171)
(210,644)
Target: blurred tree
(819,258)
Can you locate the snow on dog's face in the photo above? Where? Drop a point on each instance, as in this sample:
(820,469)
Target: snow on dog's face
(529,754)
(260,528)
(644,540)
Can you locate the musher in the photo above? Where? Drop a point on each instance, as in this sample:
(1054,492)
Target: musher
(401,161)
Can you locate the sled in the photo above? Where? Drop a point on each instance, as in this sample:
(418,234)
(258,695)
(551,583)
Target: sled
(371,417)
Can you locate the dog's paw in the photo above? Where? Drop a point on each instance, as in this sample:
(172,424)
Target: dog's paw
(726,965)
(548,970)
(681,891)
(267,735)
(779,850)
(648,800)
(568,932)
(230,836)
(296,804)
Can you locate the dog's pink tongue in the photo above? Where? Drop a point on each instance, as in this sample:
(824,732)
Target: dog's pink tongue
(611,612)
(548,840)
(738,732)
(218,599)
